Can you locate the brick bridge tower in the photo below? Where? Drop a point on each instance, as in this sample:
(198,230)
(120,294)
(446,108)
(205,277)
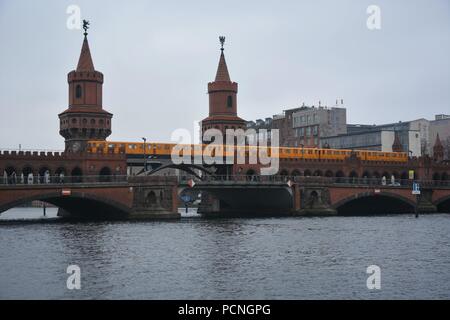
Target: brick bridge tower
(85,119)
(222,100)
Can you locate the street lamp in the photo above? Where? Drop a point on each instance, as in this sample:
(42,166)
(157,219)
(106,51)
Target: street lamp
(145,157)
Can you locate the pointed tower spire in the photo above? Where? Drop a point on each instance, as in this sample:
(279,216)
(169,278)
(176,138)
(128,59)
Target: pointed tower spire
(397,145)
(438,149)
(222,70)
(85,61)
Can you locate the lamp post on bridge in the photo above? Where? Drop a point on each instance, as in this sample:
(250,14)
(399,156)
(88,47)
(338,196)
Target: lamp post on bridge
(145,156)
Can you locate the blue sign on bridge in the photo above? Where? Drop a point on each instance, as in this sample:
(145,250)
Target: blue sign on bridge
(415,188)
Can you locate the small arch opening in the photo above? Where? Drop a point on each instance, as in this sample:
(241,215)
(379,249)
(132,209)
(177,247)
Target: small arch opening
(78,91)
(229,102)
(105,174)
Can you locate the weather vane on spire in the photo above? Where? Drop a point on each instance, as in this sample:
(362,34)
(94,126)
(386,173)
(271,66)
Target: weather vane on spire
(222,41)
(85,27)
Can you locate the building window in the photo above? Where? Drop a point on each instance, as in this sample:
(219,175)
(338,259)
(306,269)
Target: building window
(78,92)
(308,131)
(229,101)
(315,130)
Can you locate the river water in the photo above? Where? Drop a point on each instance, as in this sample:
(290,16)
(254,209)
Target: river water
(257,258)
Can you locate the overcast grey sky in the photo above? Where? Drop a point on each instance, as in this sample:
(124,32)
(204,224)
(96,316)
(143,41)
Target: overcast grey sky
(157,57)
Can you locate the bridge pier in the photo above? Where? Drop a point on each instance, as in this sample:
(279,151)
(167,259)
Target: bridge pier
(312,201)
(425,204)
(155,202)
(210,206)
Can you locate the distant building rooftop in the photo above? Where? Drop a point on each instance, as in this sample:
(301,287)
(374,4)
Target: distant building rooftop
(441,117)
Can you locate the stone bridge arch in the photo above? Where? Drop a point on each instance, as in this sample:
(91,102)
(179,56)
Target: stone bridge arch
(77,204)
(443,204)
(249,199)
(366,203)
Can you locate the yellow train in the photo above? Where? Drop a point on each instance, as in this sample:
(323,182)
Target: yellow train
(136,149)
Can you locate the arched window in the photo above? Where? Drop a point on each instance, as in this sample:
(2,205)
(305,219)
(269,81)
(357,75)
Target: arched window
(229,101)
(78,91)
(105,174)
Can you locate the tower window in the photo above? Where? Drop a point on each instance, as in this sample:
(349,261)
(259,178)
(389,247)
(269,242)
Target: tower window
(229,101)
(78,92)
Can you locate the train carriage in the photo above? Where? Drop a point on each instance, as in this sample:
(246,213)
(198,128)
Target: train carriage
(165,150)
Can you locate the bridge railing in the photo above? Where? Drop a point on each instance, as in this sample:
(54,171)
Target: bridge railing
(327,180)
(12,179)
(10,151)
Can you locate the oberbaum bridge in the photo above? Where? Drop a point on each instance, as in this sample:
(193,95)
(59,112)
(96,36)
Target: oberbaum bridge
(95,182)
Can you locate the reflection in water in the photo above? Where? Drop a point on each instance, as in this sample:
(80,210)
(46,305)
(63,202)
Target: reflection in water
(195,258)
